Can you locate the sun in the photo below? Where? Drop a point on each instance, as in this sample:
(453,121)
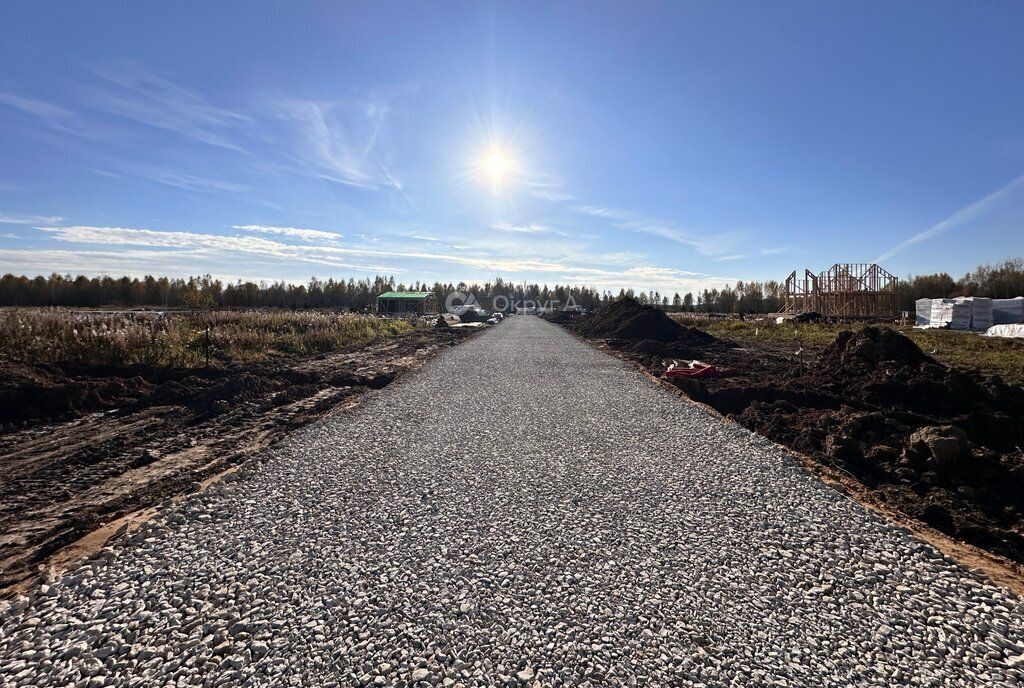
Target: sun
(497,167)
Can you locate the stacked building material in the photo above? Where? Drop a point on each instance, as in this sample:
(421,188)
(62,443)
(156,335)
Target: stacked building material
(1008,311)
(960,314)
(981,313)
(941,313)
(922,312)
(968,313)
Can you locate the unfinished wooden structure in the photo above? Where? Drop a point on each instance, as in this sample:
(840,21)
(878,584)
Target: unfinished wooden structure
(845,290)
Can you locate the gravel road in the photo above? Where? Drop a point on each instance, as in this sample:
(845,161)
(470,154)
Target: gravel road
(524,510)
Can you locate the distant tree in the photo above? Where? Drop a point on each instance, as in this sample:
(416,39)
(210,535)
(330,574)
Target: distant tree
(197,299)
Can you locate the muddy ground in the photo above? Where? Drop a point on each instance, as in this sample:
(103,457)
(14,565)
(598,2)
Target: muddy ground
(81,446)
(941,445)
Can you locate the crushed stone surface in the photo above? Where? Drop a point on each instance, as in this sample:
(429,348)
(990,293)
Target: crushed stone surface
(522,511)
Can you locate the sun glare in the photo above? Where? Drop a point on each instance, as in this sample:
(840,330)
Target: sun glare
(496,167)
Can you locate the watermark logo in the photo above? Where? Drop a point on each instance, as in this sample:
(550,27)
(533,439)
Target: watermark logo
(457,302)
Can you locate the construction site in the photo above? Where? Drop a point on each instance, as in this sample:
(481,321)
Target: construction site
(193,490)
(845,291)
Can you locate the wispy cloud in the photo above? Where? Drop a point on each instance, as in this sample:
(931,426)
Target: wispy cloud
(22,219)
(10,235)
(132,91)
(129,250)
(47,119)
(342,140)
(644,278)
(135,263)
(183,180)
(549,189)
(338,141)
(598,211)
(771,251)
(348,182)
(708,243)
(230,248)
(530,228)
(959,218)
(34,107)
(297,232)
(103,173)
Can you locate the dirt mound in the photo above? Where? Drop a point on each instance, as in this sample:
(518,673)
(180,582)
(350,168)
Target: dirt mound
(938,443)
(629,319)
(34,393)
(696,337)
(871,346)
(562,317)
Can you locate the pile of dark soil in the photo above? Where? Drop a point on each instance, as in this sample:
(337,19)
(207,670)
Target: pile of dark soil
(30,395)
(871,346)
(942,445)
(647,335)
(628,319)
(939,444)
(562,317)
(51,392)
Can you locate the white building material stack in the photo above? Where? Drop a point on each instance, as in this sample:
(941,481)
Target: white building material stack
(981,313)
(1008,311)
(942,312)
(968,313)
(960,318)
(923,312)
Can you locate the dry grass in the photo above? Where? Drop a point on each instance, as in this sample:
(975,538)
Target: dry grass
(1004,357)
(179,339)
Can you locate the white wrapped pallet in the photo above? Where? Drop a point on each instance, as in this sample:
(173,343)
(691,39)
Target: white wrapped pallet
(942,312)
(981,313)
(1008,311)
(961,315)
(923,312)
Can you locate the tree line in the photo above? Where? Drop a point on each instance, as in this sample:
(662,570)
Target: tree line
(1003,280)
(1000,280)
(208,292)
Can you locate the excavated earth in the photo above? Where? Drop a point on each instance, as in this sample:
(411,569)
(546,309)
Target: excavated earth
(939,444)
(83,446)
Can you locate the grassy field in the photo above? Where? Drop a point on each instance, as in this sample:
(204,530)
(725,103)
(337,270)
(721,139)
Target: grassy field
(1004,357)
(179,339)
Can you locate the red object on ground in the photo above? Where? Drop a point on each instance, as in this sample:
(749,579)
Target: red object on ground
(697,369)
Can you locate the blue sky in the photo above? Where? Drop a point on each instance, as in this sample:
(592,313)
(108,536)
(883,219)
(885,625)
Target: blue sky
(669,146)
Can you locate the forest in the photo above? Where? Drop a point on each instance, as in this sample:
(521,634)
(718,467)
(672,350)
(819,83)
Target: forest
(1000,280)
